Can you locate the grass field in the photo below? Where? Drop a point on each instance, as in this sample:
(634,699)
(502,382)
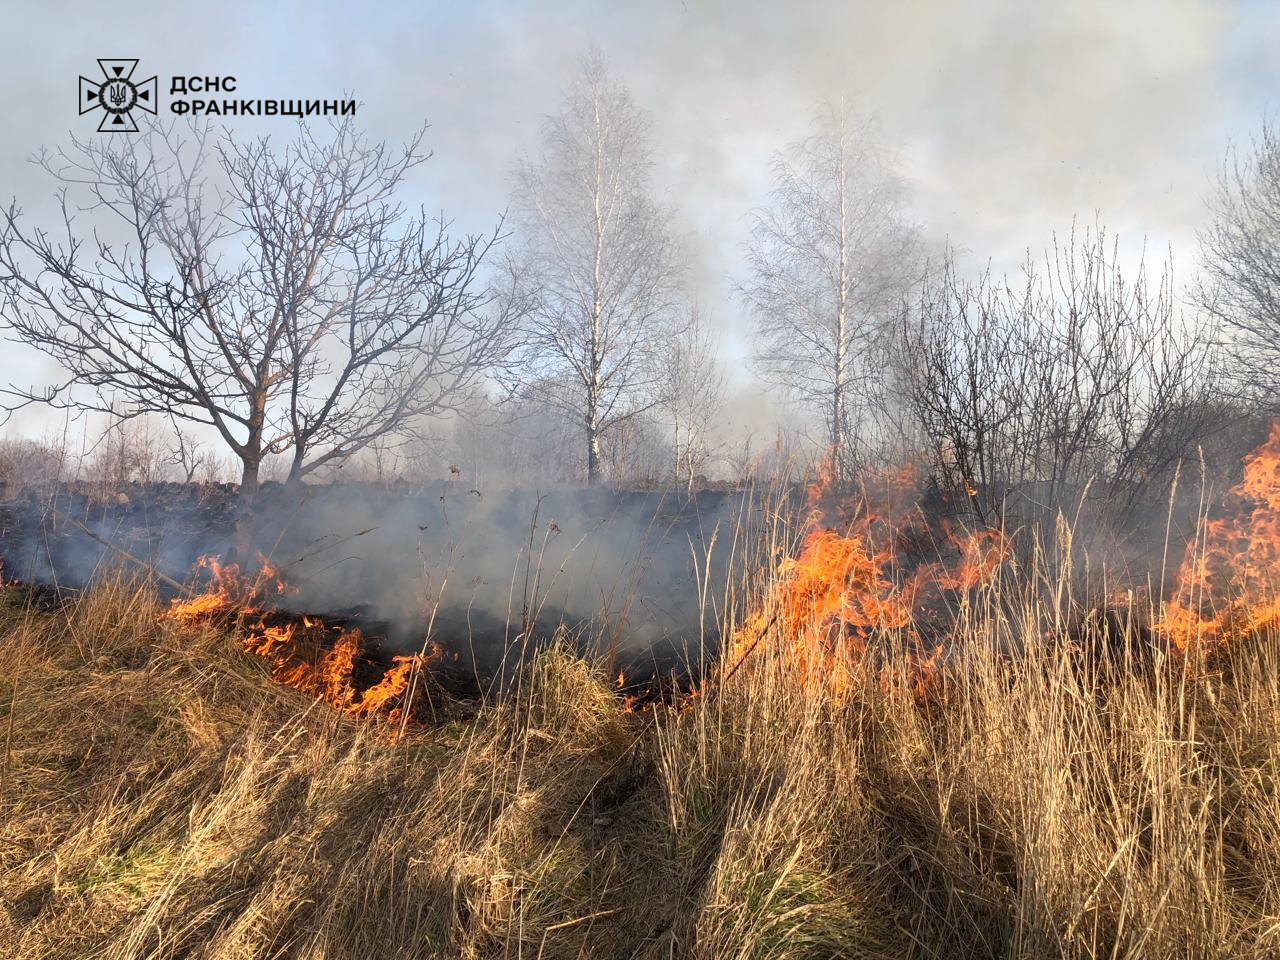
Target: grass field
(160,797)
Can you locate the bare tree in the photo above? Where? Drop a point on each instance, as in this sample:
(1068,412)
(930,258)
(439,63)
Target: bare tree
(281,295)
(27,464)
(188,456)
(130,450)
(693,387)
(1240,255)
(596,266)
(636,452)
(1071,378)
(830,257)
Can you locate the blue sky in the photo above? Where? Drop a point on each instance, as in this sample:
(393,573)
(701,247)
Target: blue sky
(1011,117)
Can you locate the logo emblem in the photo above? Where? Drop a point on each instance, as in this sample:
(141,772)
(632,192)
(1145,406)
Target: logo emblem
(117,95)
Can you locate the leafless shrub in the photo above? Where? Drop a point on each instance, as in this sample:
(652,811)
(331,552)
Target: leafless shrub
(189,458)
(1240,254)
(27,464)
(1073,379)
(637,452)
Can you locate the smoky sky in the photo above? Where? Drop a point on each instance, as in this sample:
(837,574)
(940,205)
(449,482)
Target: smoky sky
(1010,118)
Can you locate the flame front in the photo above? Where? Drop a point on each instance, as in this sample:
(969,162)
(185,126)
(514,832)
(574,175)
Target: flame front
(847,583)
(228,592)
(1226,585)
(307,655)
(848,586)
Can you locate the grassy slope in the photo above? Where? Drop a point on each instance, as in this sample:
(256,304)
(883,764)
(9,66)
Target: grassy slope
(162,799)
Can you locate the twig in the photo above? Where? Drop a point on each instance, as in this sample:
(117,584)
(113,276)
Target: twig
(185,591)
(419,665)
(576,920)
(751,649)
(328,546)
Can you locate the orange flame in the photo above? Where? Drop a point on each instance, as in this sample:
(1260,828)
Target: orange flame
(1226,585)
(309,655)
(229,592)
(843,587)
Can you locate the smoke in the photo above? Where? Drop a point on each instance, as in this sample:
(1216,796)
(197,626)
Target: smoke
(1011,117)
(639,574)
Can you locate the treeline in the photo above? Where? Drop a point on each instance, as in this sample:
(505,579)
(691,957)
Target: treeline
(253,310)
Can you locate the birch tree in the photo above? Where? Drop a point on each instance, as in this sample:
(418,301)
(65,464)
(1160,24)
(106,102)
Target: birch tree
(595,269)
(692,396)
(831,254)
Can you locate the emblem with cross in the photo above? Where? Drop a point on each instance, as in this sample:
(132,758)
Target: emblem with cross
(117,95)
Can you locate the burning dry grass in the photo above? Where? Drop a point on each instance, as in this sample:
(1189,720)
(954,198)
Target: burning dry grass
(307,653)
(1059,784)
(161,798)
(1227,581)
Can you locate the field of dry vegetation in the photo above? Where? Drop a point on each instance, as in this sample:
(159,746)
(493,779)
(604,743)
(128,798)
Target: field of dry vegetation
(1084,793)
(1003,681)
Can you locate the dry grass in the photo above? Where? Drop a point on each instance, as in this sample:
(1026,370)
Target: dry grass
(162,799)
